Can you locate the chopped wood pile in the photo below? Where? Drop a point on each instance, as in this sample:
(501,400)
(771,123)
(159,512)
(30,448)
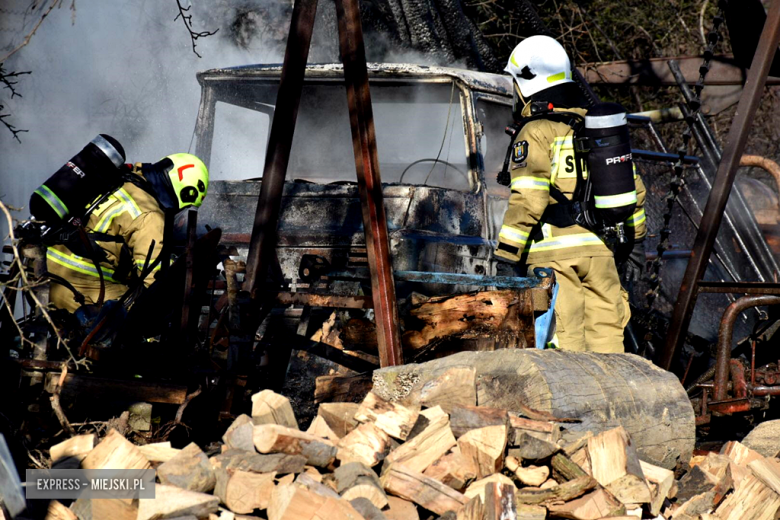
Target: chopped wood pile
(399,461)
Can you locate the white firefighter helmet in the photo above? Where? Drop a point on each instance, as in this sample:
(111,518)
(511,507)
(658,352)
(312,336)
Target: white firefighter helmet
(537,63)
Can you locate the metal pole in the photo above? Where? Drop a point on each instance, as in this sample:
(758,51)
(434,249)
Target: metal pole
(263,240)
(719,195)
(369,182)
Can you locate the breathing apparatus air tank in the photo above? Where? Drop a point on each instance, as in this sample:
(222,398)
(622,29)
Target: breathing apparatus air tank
(66,195)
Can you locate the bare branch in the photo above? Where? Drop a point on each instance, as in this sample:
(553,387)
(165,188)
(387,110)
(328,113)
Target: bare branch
(187,19)
(29,36)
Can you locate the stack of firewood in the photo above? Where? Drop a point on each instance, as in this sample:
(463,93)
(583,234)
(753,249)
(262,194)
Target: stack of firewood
(397,461)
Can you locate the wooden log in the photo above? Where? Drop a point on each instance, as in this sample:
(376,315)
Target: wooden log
(170,502)
(611,390)
(424,491)
(764,439)
(190,469)
(311,484)
(615,465)
(768,472)
(319,428)
(268,407)
(355,480)
(115,452)
(427,446)
(251,461)
(366,444)
(452,389)
(342,389)
(467,418)
(485,446)
(528,447)
(295,502)
(567,468)
(340,417)
(699,480)
(696,506)
(660,480)
(159,451)
(394,418)
(500,502)
(529,512)
(273,438)
(76,447)
(477,489)
(242,491)
(453,470)
(530,475)
(400,509)
(366,509)
(739,453)
(543,430)
(473,510)
(57,511)
(239,435)
(563,492)
(751,500)
(594,505)
(582,459)
(129,389)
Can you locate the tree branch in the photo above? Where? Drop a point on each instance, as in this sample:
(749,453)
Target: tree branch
(187,19)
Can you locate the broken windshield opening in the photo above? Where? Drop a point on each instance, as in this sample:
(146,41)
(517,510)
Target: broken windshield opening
(419,132)
(495,117)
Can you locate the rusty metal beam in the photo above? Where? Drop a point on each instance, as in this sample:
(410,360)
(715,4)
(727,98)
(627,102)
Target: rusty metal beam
(724,180)
(263,240)
(369,181)
(655,72)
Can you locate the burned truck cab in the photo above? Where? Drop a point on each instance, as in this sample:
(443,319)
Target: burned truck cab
(440,142)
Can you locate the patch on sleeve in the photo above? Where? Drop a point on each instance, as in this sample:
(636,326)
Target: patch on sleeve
(520,153)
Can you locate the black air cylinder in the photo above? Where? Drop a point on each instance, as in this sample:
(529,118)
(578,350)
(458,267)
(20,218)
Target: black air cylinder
(92,172)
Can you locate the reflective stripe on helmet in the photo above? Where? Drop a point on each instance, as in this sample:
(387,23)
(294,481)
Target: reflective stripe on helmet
(556,77)
(53,200)
(637,218)
(515,235)
(562,242)
(79,264)
(108,149)
(530,183)
(607,121)
(615,201)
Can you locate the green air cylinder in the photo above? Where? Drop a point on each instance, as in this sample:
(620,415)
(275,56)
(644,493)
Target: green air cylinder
(95,170)
(610,167)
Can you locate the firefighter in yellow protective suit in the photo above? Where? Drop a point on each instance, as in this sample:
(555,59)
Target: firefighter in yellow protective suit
(592,309)
(125,228)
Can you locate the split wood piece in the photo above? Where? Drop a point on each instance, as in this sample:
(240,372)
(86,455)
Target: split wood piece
(594,505)
(366,444)
(529,512)
(313,473)
(528,447)
(242,491)
(76,447)
(473,510)
(531,475)
(768,472)
(319,428)
(252,461)
(660,480)
(342,389)
(467,418)
(274,438)
(428,446)
(752,500)
(694,507)
(615,465)
(366,509)
(582,459)
(477,489)
(287,479)
(170,502)
(239,435)
(549,483)
(268,407)
(160,451)
(295,502)
(485,446)
(400,509)
(452,389)
(340,417)
(190,469)
(698,481)
(315,487)
(114,509)
(115,452)
(566,468)
(545,430)
(563,492)
(424,491)
(355,480)
(57,511)
(739,453)
(396,419)
(500,502)
(453,470)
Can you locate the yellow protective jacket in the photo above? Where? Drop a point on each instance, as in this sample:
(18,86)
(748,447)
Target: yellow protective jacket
(549,161)
(131,214)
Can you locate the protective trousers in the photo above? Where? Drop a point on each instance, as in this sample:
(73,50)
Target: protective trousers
(591,310)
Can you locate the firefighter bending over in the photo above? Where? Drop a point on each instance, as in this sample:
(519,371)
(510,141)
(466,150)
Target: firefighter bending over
(125,220)
(568,209)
